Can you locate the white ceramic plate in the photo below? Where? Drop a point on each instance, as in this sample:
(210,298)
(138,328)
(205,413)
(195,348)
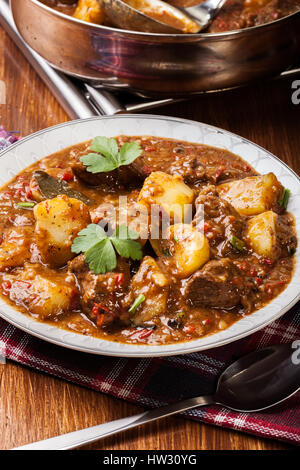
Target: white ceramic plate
(48,141)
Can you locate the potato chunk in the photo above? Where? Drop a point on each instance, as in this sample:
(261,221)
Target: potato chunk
(189,249)
(168,192)
(261,233)
(184,250)
(45,297)
(253,195)
(15,247)
(58,222)
(90,11)
(153,284)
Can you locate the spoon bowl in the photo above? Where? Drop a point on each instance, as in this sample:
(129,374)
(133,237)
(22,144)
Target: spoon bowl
(152,16)
(156,16)
(259,380)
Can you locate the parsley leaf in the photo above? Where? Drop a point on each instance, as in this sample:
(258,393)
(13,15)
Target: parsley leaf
(101,257)
(100,250)
(123,241)
(108,147)
(129,152)
(88,237)
(108,156)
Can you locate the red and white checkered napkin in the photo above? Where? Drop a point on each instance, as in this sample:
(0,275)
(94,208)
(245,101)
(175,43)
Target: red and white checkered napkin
(154,382)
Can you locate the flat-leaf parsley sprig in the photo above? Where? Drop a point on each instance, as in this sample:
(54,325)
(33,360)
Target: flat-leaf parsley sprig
(100,250)
(108,157)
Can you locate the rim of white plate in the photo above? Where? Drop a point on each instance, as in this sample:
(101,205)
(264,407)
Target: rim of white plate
(47,141)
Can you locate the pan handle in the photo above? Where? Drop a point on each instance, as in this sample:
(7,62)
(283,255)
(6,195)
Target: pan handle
(289,72)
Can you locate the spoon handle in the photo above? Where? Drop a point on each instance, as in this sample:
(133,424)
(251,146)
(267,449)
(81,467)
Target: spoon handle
(76,439)
(205,12)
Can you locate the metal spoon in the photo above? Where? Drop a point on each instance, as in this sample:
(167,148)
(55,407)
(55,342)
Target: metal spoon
(156,16)
(255,382)
(204,13)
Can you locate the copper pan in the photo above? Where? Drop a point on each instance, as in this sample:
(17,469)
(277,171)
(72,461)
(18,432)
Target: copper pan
(159,65)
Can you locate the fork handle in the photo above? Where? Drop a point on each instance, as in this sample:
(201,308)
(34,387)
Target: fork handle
(76,439)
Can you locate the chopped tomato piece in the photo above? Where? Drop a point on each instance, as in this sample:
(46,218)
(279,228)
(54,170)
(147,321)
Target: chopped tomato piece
(253,272)
(23,284)
(268,261)
(120,279)
(98,307)
(28,193)
(6,286)
(145,334)
(32,297)
(189,329)
(67,176)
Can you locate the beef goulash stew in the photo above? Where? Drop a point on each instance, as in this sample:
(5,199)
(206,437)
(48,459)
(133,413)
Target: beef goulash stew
(74,255)
(235,14)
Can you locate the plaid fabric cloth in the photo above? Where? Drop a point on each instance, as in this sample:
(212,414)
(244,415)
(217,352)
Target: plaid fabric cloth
(154,382)
(6,138)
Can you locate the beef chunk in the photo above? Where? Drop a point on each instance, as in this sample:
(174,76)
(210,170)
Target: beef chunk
(212,286)
(195,172)
(189,167)
(285,233)
(128,176)
(101,293)
(221,222)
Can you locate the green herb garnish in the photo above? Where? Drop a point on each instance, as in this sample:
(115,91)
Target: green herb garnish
(180,315)
(285,199)
(100,250)
(138,301)
(108,157)
(166,252)
(26,204)
(237,243)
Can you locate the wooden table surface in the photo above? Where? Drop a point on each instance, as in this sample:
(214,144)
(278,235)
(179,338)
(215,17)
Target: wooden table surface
(35,406)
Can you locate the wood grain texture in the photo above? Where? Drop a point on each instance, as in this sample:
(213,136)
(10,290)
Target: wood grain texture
(36,406)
